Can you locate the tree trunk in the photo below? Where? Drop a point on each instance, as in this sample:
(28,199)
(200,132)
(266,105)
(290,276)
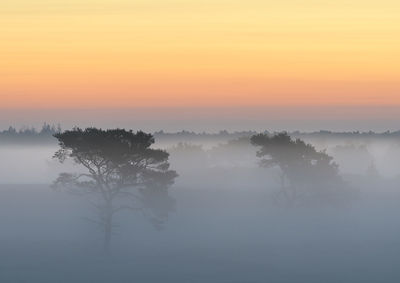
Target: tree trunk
(108,214)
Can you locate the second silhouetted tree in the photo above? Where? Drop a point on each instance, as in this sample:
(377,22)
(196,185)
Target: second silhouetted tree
(306,174)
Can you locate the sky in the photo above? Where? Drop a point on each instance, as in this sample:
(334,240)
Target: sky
(170,56)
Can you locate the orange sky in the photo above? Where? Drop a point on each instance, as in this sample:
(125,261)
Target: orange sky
(191,53)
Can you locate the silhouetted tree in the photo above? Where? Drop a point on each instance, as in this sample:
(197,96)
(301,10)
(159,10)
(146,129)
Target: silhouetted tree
(11,131)
(306,174)
(118,164)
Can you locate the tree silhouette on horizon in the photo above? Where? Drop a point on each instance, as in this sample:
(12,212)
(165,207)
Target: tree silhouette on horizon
(117,164)
(306,174)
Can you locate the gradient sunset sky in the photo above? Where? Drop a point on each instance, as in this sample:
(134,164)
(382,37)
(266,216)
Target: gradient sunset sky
(203,54)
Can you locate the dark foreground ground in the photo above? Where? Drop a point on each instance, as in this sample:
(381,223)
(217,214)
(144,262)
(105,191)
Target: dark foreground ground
(214,236)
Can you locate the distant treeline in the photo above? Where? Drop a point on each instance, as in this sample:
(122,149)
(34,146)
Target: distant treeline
(29,135)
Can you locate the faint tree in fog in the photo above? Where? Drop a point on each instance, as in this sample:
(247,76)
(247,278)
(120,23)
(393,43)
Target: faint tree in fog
(118,164)
(353,157)
(306,174)
(184,154)
(372,173)
(233,153)
(190,160)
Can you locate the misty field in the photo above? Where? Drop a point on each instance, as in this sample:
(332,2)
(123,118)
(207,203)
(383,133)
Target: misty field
(226,224)
(214,236)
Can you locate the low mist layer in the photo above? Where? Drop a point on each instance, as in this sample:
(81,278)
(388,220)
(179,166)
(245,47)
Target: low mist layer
(227,219)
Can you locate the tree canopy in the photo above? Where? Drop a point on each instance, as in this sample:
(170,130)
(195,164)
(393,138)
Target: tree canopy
(307,171)
(115,159)
(117,163)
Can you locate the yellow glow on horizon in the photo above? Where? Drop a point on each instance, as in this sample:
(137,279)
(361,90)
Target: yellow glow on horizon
(120,53)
